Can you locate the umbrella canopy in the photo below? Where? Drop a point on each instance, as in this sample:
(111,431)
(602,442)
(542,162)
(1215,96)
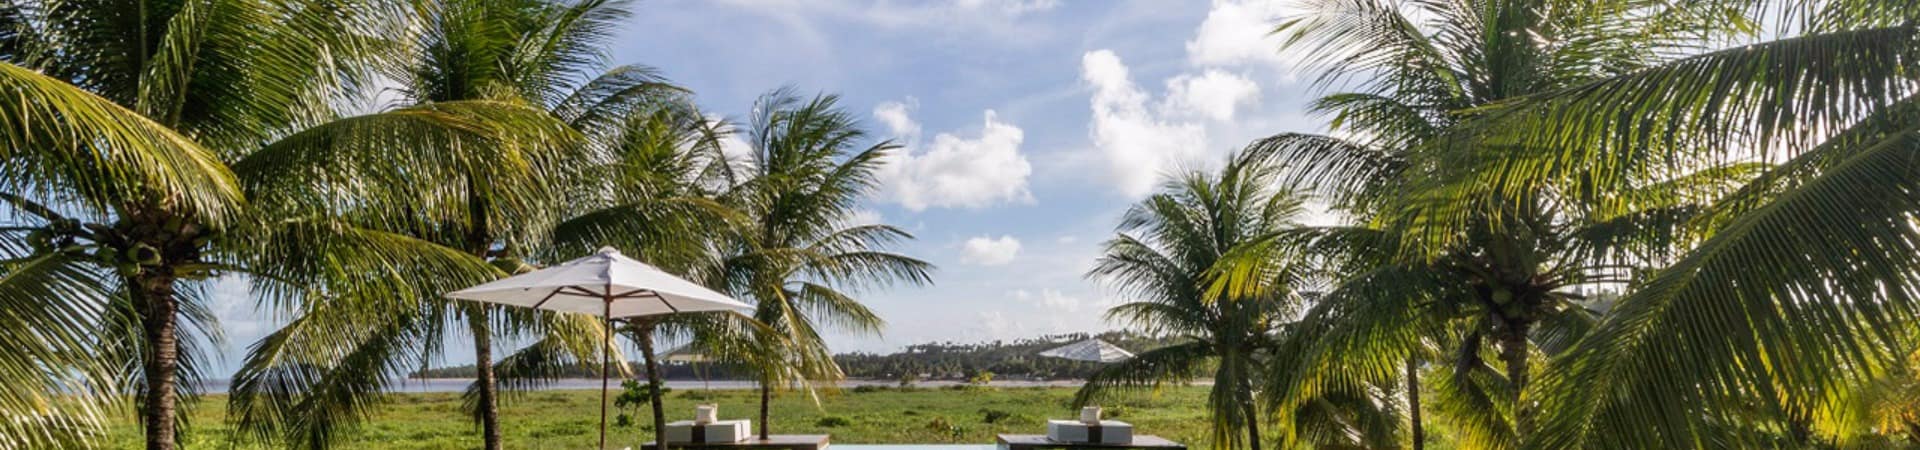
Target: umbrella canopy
(609,285)
(604,284)
(1090,350)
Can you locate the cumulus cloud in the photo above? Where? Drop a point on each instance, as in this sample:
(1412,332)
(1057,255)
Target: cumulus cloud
(953,171)
(1212,102)
(1215,94)
(1235,33)
(1138,146)
(987,251)
(989,325)
(1053,300)
(898,117)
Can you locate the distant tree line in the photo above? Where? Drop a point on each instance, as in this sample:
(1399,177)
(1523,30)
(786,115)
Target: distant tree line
(947,361)
(1017,360)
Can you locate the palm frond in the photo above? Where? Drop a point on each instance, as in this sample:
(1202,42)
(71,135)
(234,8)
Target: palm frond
(1358,334)
(1149,369)
(615,95)
(317,378)
(60,137)
(1817,311)
(566,341)
(53,391)
(1755,101)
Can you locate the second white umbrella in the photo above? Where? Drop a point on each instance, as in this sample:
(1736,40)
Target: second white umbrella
(612,286)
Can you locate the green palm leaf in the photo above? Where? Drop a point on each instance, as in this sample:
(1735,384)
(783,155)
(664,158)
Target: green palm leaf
(1817,312)
(60,137)
(55,391)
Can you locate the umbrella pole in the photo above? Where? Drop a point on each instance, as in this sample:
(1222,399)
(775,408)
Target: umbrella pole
(606,341)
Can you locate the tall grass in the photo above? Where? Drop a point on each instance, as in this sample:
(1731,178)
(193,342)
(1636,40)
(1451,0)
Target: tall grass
(569,419)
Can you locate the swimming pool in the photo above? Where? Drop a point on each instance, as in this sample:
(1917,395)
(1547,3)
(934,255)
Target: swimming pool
(913,447)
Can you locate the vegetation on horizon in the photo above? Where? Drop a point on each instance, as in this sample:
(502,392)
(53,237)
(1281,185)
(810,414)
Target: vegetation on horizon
(919,362)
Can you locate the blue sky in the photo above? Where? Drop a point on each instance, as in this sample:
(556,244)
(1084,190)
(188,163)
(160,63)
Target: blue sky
(1029,125)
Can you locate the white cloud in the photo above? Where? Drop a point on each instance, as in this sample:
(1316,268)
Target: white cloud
(898,117)
(990,325)
(1010,7)
(735,149)
(988,19)
(1139,147)
(863,216)
(1235,33)
(1215,94)
(1214,101)
(953,171)
(1054,300)
(986,251)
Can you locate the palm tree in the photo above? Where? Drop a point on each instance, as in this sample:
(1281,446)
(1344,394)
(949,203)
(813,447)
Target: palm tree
(797,256)
(1167,254)
(537,55)
(176,101)
(655,199)
(1789,306)
(1421,267)
(537,51)
(1741,337)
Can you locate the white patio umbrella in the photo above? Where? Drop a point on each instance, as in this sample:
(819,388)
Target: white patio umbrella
(611,286)
(1090,350)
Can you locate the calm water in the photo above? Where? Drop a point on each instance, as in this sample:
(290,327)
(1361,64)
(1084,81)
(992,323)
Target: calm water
(460,385)
(912,447)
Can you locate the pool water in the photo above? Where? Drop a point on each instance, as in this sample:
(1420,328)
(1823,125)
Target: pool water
(912,447)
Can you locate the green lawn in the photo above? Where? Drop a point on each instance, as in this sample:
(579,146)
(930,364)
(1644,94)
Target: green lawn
(568,419)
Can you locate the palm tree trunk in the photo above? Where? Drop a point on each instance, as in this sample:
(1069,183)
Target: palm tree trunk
(1513,351)
(480,243)
(1253,422)
(766,396)
(483,374)
(159,314)
(1413,404)
(653,387)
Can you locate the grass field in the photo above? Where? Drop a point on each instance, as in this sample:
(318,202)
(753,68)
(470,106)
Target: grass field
(569,419)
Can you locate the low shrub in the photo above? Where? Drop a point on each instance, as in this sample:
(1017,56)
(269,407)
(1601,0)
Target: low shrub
(832,421)
(940,425)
